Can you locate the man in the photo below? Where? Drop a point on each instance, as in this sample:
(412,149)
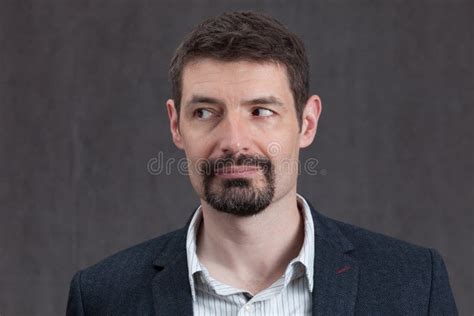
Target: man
(241,112)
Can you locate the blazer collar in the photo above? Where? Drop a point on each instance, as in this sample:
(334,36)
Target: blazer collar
(335,272)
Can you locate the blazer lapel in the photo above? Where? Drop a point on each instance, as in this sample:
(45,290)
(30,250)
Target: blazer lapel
(336,273)
(170,286)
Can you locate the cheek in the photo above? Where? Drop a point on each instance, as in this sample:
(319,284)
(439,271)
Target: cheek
(192,164)
(196,148)
(194,173)
(284,157)
(280,148)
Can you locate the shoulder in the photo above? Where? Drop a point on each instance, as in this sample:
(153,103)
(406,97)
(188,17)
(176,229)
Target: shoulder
(373,248)
(138,255)
(121,281)
(128,268)
(382,259)
(363,244)
(409,275)
(367,241)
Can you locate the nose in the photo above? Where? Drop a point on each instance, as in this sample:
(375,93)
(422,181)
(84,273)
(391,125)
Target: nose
(233,135)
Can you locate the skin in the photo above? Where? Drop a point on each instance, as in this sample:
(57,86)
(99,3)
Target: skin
(249,253)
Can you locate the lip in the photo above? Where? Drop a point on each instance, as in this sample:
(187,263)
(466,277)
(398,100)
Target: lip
(237,172)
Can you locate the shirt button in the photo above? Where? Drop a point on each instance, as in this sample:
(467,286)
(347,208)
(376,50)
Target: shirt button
(248,307)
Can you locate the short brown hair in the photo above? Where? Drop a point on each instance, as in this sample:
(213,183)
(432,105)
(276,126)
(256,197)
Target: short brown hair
(245,36)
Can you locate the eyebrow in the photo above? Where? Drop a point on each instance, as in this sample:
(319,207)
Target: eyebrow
(269,100)
(196,99)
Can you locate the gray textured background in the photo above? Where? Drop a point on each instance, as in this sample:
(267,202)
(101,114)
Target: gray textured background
(83,86)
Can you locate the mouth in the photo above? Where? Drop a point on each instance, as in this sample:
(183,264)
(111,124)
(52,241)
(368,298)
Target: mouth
(237,172)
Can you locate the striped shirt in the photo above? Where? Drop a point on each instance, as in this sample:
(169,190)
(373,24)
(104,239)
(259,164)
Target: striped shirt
(289,295)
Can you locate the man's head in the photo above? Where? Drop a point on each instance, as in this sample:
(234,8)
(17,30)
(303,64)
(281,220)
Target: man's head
(237,80)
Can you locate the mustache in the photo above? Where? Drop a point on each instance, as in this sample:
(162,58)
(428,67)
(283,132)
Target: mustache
(210,167)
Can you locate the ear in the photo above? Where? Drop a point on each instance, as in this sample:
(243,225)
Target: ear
(309,123)
(174,124)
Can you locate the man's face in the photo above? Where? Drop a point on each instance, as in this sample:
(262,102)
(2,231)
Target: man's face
(239,130)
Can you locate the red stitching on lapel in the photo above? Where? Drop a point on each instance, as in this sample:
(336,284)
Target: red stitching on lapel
(343,269)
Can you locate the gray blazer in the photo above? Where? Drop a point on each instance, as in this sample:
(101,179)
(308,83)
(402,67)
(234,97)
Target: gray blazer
(355,272)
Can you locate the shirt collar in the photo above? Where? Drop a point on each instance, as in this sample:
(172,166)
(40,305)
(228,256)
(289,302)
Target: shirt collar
(305,256)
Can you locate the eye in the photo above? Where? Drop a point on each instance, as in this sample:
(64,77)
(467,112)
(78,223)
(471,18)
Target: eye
(202,113)
(262,112)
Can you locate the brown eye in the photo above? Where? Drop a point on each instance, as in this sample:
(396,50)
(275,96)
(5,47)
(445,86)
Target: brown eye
(262,112)
(202,113)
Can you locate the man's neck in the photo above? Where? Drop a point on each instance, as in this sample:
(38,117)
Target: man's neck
(251,252)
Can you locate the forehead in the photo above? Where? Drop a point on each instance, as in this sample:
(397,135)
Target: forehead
(211,76)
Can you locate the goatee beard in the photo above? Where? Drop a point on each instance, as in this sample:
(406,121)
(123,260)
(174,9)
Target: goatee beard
(238,196)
